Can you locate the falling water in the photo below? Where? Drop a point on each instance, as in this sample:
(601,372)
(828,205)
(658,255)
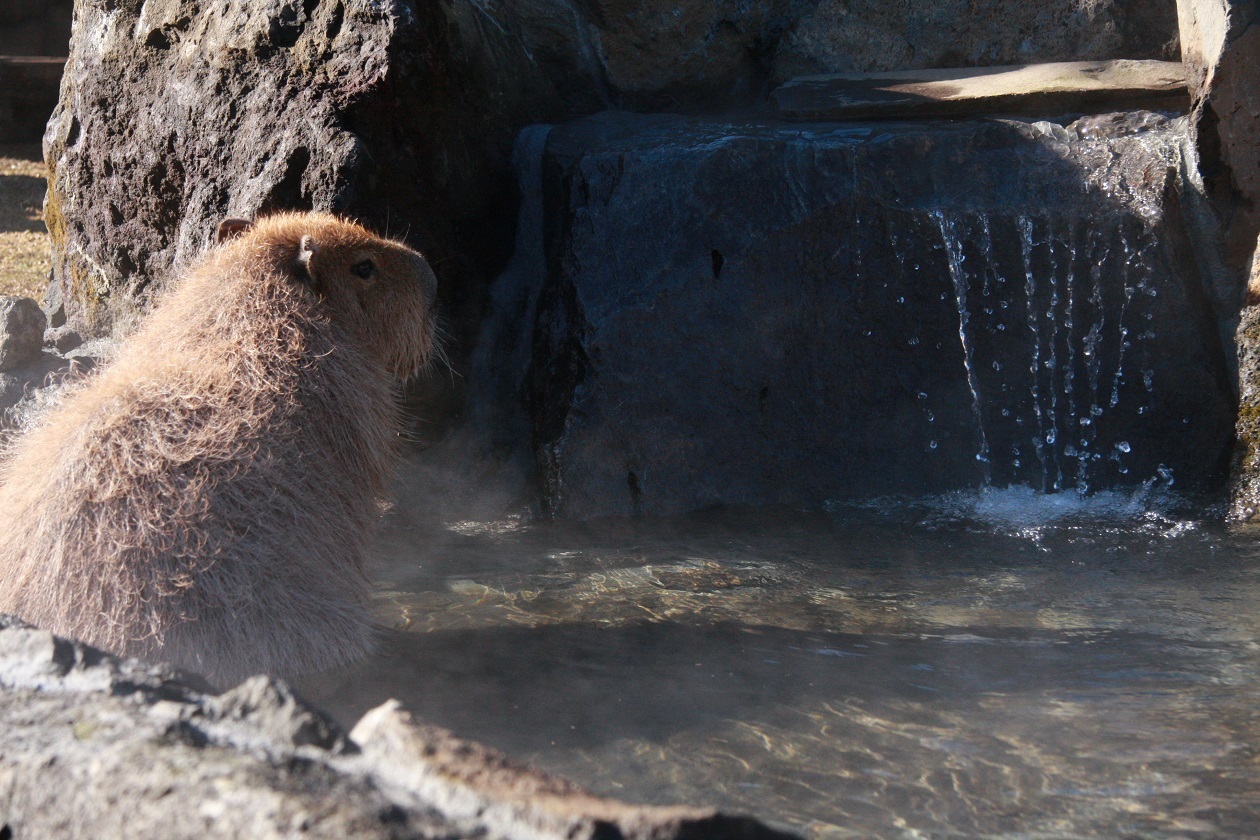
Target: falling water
(1050,377)
(953,248)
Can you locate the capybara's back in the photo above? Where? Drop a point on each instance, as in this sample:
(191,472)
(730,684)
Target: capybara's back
(208,498)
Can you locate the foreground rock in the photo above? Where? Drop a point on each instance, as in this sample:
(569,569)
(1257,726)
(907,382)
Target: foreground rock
(91,746)
(758,313)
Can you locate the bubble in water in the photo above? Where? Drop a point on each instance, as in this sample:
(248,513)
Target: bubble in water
(1050,436)
(1006,412)
(997,365)
(1096,410)
(931,417)
(923,395)
(931,444)
(1123,446)
(914,342)
(901,299)
(1165,472)
(1085,421)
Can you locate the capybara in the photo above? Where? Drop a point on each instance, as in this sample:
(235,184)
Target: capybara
(208,498)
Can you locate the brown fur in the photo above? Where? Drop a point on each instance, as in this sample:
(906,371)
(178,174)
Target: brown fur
(208,498)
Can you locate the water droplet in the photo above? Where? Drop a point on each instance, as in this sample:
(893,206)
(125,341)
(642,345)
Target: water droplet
(1123,446)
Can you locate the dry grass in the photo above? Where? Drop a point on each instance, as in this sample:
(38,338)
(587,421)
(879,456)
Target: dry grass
(24,247)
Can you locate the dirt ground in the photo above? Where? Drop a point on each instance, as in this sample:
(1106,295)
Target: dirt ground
(24,247)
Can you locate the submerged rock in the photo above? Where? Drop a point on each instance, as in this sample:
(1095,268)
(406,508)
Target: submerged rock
(94,746)
(770,313)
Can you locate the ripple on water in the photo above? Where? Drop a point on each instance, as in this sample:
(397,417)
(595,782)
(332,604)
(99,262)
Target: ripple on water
(1000,664)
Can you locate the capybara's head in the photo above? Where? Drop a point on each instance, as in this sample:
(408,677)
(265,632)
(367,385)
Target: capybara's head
(379,290)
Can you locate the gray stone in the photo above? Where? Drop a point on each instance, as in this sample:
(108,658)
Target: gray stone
(840,36)
(94,746)
(771,314)
(22,325)
(63,338)
(1037,89)
(404,114)
(1221,41)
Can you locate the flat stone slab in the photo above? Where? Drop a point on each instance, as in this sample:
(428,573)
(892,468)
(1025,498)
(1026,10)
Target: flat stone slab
(1040,89)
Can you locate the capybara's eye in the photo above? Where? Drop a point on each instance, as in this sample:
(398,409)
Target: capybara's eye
(363,269)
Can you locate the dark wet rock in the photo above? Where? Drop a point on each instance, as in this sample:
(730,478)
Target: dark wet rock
(754,314)
(91,745)
(22,325)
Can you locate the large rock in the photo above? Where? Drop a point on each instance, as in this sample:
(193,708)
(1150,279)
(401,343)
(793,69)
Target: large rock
(91,746)
(1220,42)
(175,113)
(751,314)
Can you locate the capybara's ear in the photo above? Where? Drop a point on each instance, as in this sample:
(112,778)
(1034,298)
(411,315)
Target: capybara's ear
(229,229)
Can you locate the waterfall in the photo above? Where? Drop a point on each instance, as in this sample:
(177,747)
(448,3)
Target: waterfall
(1056,319)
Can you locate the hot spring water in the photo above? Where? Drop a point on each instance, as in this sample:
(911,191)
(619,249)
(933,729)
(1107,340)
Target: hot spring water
(1002,663)
(1038,657)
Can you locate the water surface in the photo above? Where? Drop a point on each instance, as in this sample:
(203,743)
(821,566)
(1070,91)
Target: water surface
(980,665)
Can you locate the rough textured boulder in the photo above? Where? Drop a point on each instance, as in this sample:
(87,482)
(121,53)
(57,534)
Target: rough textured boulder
(1220,42)
(91,746)
(174,113)
(733,313)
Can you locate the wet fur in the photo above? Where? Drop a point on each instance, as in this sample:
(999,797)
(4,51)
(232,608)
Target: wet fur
(208,498)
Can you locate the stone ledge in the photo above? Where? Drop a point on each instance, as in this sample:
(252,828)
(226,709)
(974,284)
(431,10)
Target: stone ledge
(95,746)
(1035,89)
